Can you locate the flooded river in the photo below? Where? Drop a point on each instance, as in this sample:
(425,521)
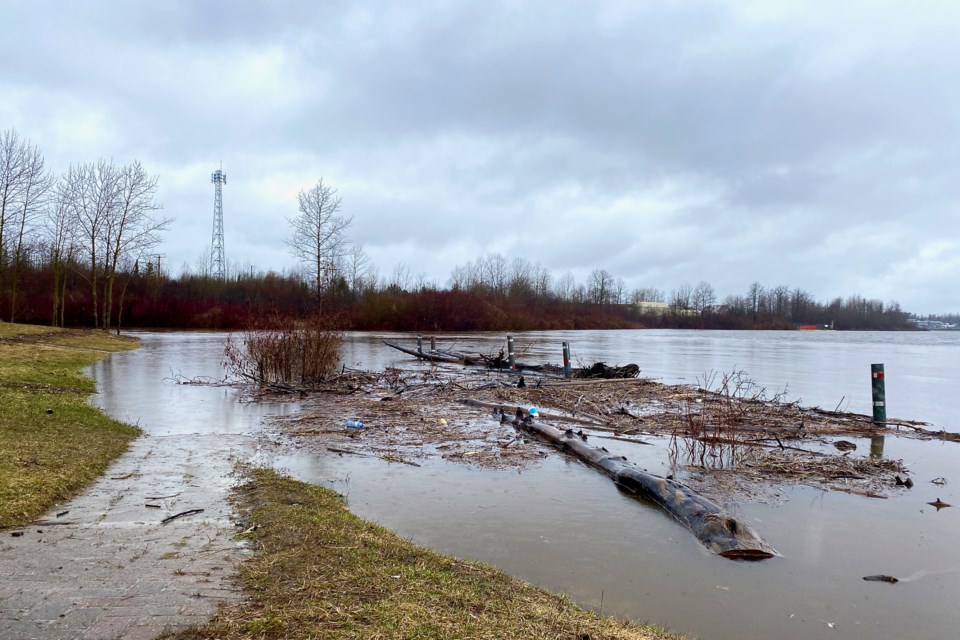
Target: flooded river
(567,528)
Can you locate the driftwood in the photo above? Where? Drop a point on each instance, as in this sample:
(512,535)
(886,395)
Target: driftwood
(592,422)
(188,512)
(720,531)
(498,362)
(432,356)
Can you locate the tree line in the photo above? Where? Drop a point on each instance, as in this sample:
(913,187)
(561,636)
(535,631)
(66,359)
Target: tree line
(79,249)
(86,229)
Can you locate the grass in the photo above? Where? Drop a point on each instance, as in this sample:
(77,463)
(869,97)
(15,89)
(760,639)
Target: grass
(52,443)
(321,572)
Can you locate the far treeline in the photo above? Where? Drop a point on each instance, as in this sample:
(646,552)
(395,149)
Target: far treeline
(79,249)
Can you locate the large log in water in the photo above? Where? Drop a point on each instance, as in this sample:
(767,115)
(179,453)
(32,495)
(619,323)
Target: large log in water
(720,531)
(432,356)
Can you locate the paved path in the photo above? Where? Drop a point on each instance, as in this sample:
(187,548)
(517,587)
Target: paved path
(111,570)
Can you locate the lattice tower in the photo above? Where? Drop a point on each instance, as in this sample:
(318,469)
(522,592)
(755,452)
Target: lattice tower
(218,178)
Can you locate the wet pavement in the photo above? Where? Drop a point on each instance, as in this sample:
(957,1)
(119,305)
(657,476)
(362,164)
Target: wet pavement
(107,568)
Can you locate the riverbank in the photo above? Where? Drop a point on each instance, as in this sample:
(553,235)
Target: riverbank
(147,549)
(52,442)
(320,571)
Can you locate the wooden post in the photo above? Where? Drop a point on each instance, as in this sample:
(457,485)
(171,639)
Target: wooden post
(566,360)
(510,351)
(433,343)
(419,343)
(879,394)
(876,447)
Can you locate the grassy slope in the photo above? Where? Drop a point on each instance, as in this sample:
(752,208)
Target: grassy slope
(52,443)
(322,572)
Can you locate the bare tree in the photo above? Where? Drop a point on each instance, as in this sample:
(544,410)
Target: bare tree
(493,273)
(59,232)
(703,297)
(647,294)
(780,301)
(680,298)
(113,218)
(319,234)
(541,281)
(400,277)
(565,286)
(619,291)
(601,286)
(356,268)
(520,281)
(92,191)
(34,184)
(12,170)
(130,229)
(755,295)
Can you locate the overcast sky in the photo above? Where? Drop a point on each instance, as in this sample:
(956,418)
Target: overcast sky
(813,144)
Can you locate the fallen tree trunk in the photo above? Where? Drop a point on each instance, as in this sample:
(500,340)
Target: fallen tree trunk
(720,531)
(432,356)
(593,423)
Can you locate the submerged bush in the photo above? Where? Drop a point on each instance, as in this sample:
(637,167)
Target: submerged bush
(289,351)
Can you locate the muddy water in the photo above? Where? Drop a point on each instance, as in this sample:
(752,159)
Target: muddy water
(565,527)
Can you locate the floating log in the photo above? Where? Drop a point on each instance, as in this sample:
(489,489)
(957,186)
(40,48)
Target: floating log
(593,423)
(432,356)
(719,530)
(499,362)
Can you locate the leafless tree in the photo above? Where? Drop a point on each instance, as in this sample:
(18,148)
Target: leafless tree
(646,294)
(494,273)
(130,229)
(681,298)
(601,286)
(703,297)
(755,295)
(780,301)
(35,182)
(113,216)
(619,291)
(319,233)
(12,171)
(59,232)
(565,286)
(520,280)
(400,277)
(541,281)
(92,192)
(355,267)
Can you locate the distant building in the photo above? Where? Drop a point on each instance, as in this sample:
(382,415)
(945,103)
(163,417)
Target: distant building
(653,308)
(932,325)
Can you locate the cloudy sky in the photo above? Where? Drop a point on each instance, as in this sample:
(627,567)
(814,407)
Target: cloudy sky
(811,144)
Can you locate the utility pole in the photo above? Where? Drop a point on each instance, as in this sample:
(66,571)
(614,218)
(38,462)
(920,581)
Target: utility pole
(218,178)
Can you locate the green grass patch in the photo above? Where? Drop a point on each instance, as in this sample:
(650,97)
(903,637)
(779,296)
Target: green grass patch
(322,572)
(52,443)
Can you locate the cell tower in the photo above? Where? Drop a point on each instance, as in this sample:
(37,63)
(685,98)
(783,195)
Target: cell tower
(218,178)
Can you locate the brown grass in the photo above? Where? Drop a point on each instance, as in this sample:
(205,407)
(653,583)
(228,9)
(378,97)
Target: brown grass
(321,572)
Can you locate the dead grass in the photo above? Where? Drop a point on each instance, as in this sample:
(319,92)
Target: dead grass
(321,572)
(52,443)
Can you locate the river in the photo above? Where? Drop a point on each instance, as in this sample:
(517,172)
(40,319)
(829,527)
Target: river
(567,528)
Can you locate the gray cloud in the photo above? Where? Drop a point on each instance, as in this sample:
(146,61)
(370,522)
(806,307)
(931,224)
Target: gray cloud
(666,142)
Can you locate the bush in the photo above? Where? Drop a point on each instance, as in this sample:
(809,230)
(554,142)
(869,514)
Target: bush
(287,351)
